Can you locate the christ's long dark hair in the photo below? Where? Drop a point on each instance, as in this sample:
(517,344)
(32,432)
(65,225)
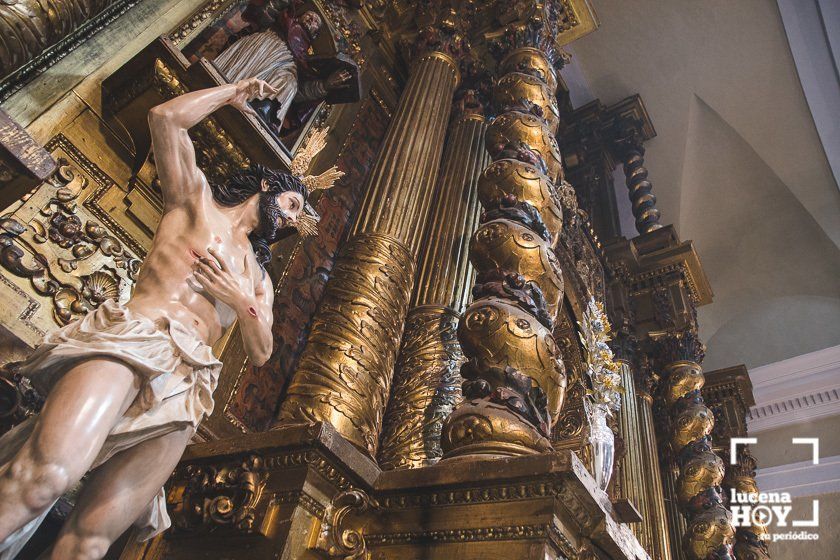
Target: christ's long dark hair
(273,221)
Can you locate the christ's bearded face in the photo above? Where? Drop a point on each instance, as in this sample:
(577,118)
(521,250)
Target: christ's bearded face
(278,212)
(291,203)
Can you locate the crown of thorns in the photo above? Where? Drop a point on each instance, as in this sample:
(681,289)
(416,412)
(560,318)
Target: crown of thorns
(307,222)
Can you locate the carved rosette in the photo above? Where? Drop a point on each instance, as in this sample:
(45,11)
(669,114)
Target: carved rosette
(426,390)
(344,374)
(709,532)
(514,378)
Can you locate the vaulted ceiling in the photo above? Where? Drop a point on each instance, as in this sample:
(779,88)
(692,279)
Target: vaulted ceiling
(738,164)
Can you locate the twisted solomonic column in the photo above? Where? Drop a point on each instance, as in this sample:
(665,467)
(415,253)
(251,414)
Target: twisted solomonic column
(427,382)
(709,533)
(515,381)
(728,393)
(632,154)
(750,541)
(345,371)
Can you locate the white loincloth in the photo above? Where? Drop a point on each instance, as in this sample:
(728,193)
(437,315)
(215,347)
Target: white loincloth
(177,372)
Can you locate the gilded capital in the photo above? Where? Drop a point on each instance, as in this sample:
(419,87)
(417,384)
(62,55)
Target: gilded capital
(677,346)
(472,98)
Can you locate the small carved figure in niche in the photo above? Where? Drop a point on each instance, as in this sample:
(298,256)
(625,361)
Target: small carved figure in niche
(127,385)
(279,55)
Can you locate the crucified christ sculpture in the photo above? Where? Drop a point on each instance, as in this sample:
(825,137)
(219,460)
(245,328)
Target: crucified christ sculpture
(127,385)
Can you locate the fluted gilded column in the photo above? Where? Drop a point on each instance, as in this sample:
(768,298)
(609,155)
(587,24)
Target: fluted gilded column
(632,153)
(427,383)
(655,517)
(632,479)
(676,522)
(345,372)
(514,379)
(709,532)
(640,476)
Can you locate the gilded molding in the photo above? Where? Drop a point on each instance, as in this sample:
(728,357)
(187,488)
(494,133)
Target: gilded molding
(36,35)
(195,22)
(505,533)
(344,374)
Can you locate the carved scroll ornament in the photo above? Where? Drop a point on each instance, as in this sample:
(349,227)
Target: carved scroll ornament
(74,261)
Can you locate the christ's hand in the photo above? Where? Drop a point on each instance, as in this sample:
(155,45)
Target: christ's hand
(219,281)
(249,90)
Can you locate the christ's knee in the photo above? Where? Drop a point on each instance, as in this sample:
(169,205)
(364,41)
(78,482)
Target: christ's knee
(36,484)
(79,544)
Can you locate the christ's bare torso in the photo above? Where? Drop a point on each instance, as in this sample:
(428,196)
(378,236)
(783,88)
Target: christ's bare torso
(164,288)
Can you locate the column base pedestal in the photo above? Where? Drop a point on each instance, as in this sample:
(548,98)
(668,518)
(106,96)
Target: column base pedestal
(302,492)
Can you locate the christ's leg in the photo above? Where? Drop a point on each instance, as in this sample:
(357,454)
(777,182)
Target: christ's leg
(80,411)
(116,494)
